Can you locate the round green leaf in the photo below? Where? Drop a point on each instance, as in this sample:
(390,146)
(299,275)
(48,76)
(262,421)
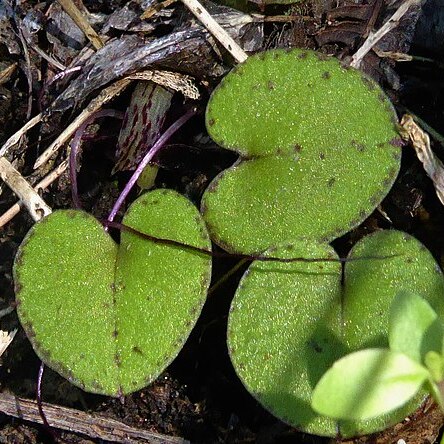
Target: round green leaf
(289,322)
(110,318)
(368,383)
(317,150)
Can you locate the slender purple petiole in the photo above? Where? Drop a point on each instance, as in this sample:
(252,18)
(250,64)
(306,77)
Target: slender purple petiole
(40,405)
(75,144)
(147,159)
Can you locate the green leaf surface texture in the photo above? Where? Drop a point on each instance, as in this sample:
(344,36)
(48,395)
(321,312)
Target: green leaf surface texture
(435,363)
(414,327)
(290,321)
(110,318)
(368,383)
(317,146)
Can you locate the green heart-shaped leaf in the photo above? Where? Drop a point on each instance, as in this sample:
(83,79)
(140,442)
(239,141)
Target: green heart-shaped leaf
(111,318)
(290,321)
(317,150)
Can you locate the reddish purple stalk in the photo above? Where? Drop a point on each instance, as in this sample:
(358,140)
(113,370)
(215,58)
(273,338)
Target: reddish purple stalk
(251,257)
(40,405)
(147,159)
(75,144)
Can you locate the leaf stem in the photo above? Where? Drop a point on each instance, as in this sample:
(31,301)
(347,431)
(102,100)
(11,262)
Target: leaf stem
(147,159)
(251,257)
(46,425)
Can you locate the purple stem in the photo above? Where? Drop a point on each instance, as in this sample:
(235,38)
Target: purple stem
(40,405)
(75,144)
(147,159)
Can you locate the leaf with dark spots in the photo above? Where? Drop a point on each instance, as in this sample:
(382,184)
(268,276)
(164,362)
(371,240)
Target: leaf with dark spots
(107,338)
(288,323)
(304,130)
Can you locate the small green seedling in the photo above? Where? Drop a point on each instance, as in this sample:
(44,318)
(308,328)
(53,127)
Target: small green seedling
(318,150)
(374,382)
(289,322)
(108,317)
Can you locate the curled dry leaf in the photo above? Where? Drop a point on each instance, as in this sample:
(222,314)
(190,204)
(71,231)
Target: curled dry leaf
(421,142)
(173,80)
(142,123)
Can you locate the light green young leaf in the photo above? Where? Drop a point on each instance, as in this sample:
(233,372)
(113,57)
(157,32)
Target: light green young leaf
(435,364)
(368,383)
(414,327)
(435,390)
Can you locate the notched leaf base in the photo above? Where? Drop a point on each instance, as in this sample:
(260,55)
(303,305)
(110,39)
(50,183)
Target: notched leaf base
(111,318)
(289,322)
(315,144)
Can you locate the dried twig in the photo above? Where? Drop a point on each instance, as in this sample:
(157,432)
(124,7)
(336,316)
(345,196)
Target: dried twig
(6,73)
(176,81)
(218,32)
(374,38)
(76,421)
(36,206)
(105,96)
(42,185)
(78,18)
(15,138)
(421,143)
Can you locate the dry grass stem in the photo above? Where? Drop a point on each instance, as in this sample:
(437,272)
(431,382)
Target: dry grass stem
(15,138)
(42,185)
(51,60)
(105,96)
(71,9)
(6,73)
(396,56)
(5,339)
(36,206)
(374,37)
(76,421)
(216,30)
(173,80)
